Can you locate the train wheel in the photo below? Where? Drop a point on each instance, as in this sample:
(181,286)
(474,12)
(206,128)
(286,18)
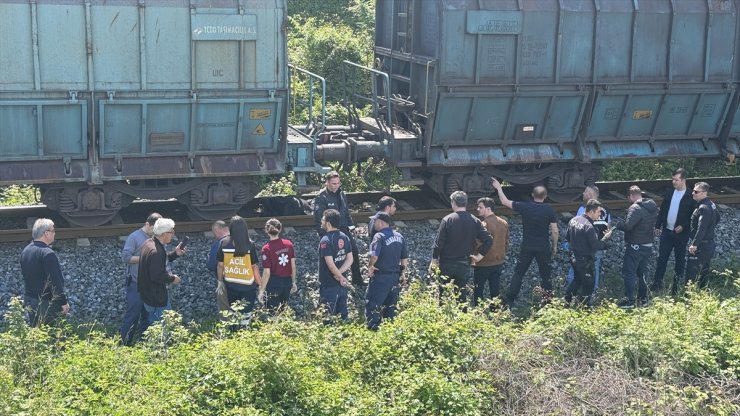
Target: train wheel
(88,218)
(215,201)
(213,213)
(566,195)
(85,206)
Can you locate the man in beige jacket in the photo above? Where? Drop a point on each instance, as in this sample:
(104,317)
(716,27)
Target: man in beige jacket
(488,270)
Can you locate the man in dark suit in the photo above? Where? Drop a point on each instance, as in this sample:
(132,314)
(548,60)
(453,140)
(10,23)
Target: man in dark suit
(674,221)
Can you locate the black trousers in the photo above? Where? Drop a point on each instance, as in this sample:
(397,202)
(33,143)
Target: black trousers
(457,272)
(42,311)
(697,264)
(583,278)
(526,256)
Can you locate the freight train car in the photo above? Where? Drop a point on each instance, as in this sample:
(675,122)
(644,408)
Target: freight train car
(545,91)
(102,102)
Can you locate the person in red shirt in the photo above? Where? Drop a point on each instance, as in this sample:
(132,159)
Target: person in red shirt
(279,270)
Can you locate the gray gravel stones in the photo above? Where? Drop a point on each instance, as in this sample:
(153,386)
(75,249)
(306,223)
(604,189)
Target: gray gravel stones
(95,275)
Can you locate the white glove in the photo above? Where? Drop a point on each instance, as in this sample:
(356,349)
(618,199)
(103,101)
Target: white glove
(220,288)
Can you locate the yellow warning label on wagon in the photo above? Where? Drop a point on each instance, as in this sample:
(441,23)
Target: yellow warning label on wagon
(259,113)
(259,130)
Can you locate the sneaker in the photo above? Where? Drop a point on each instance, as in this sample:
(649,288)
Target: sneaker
(625,303)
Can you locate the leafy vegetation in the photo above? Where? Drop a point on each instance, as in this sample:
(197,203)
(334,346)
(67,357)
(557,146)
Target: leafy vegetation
(662,169)
(18,195)
(679,357)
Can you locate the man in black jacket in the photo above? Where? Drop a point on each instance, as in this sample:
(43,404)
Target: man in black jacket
(42,276)
(672,227)
(704,220)
(153,274)
(584,241)
(638,237)
(455,243)
(332,197)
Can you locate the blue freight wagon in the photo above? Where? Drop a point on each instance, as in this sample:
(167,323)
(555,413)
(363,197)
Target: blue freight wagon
(544,91)
(105,101)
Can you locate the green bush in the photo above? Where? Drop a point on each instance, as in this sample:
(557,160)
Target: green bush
(672,357)
(19,195)
(662,169)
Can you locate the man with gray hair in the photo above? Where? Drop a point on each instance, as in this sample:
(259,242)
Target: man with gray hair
(455,243)
(153,274)
(42,276)
(134,320)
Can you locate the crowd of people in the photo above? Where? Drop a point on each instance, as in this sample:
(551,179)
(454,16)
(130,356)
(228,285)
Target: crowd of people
(464,243)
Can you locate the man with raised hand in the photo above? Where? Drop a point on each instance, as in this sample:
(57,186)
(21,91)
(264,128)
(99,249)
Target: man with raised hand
(538,223)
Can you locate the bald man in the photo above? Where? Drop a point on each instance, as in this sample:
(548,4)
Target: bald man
(538,223)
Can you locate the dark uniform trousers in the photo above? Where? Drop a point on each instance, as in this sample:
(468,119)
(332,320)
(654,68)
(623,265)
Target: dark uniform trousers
(583,278)
(697,264)
(382,297)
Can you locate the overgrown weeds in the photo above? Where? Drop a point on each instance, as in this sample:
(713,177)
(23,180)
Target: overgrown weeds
(674,357)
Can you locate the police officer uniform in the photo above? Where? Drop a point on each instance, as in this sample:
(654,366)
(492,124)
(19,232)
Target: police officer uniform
(388,249)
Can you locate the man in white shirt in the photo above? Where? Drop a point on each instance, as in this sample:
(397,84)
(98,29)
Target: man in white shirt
(674,222)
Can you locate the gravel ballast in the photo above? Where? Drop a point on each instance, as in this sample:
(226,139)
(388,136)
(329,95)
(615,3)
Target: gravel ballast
(95,274)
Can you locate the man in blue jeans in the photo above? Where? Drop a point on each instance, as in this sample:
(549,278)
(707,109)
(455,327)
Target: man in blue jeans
(134,320)
(674,221)
(638,237)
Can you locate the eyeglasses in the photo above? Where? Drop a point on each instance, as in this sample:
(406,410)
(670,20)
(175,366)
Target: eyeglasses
(697,192)
(51,231)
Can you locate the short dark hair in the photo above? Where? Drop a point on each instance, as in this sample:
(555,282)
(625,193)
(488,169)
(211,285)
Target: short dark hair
(459,198)
(332,217)
(593,205)
(681,172)
(635,190)
(703,186)
(331,175)
(152,218)
(385,202)
(486,201)
(539,192)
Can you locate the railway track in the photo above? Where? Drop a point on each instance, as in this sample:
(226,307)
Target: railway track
(413,206)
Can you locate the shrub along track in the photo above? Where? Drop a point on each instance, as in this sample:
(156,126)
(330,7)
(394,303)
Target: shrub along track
(413,206)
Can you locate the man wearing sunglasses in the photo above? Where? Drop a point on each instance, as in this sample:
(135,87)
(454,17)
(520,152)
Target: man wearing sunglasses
(704,220)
